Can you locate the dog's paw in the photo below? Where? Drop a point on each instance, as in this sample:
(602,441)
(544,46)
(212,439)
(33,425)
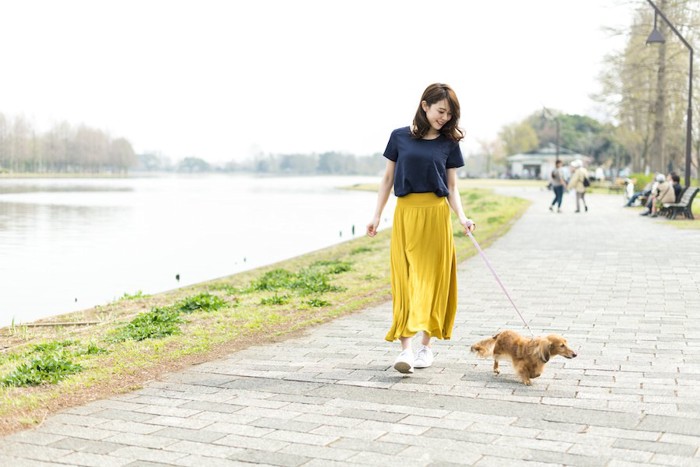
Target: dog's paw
(496,372)
(527,382)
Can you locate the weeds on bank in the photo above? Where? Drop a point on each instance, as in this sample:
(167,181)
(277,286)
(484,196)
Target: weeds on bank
(154,324)
(251,306)
(311,280)
(135,296)
(47,362)
(166,320)
(48,367)
(53,361)
(275,300)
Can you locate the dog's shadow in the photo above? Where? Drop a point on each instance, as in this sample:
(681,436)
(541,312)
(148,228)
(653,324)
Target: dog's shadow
(508,381)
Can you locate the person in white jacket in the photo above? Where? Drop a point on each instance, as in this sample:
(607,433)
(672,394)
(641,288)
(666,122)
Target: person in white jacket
(658,180)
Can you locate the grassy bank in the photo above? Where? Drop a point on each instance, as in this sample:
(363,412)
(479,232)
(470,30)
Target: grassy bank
(77,357)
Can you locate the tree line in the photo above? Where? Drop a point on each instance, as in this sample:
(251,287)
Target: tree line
(326,163)
(62,149)
(71,149)
(644,92)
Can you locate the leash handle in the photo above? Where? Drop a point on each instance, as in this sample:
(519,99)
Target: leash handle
(498,279)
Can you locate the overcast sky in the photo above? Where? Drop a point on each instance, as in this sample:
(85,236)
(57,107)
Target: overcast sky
(222,80)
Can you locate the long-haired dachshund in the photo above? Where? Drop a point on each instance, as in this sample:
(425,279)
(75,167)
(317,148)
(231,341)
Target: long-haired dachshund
(528,355)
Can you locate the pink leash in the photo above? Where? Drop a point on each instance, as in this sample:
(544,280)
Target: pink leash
(486,260)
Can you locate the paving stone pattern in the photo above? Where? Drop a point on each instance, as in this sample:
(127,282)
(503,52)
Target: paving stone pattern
(623,289)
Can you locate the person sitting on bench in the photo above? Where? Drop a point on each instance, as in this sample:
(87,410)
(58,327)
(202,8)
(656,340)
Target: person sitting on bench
(664,194)
(658,180)
(645,192)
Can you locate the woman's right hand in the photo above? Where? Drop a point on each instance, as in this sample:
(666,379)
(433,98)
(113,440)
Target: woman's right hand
(372,227)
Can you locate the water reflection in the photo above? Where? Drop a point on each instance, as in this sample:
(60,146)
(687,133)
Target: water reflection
(72,244)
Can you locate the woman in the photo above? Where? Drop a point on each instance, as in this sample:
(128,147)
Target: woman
(576,183)
(422,162)
(558,186)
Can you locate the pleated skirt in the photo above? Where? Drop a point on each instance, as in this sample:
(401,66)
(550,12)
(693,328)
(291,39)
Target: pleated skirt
(423,267)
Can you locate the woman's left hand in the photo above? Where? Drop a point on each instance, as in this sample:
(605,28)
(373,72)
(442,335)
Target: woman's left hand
(469,225)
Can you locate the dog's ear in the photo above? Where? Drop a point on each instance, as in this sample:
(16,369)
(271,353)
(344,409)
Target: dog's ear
(543,350)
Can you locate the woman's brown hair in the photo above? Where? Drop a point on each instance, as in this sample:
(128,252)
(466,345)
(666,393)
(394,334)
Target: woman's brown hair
(432,94)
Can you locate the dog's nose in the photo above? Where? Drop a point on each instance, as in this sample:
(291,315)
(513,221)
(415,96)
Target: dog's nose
(574,355)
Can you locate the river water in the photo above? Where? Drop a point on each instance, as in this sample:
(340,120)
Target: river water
(70,244)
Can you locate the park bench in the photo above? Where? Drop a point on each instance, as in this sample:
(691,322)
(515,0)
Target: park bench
(616,186)
(683,206)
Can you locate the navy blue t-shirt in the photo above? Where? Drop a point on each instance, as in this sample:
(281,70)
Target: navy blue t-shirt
(421,164)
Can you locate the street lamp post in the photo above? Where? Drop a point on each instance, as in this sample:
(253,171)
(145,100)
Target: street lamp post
(656,37)
(556,121)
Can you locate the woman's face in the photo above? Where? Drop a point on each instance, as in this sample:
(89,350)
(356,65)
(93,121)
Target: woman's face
(437,114)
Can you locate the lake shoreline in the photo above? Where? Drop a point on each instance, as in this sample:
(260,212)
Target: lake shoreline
(159,233)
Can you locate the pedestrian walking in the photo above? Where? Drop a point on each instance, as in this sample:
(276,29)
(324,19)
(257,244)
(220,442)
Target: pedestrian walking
(422,162)
(558,186)
(579,183)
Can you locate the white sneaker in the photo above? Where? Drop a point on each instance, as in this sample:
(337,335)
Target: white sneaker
(404,362)
(424,357)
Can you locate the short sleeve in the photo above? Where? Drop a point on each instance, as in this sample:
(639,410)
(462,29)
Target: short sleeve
(392,151)
(455,159)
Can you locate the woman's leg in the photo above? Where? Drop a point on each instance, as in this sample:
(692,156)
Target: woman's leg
(560,195)
(424,356)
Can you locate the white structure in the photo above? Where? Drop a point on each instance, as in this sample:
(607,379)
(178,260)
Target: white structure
(538,164)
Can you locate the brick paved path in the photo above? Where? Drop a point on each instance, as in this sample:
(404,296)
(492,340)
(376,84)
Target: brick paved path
(625,291)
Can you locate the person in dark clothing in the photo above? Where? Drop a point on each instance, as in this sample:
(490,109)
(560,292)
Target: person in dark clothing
(421,166)
(677,188)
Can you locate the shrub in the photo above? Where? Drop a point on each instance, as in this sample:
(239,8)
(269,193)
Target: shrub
(45,367)
(203,301)
(157,323)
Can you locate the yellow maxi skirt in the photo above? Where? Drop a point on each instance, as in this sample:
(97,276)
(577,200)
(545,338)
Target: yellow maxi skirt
(423,267)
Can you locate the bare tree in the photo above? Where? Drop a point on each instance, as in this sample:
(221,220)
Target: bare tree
(121,155)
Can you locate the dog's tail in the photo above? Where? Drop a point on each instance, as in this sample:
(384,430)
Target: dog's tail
(485,348)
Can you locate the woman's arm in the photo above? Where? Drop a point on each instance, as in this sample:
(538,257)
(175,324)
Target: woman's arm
(455,201)
(383,193)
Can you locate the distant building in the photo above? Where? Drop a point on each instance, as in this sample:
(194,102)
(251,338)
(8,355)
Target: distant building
(478,165)
(538,164)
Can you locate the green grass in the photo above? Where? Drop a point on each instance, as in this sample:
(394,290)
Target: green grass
(203,301)
(275,300)
(135,296)
(154,324)
(44,363)
(46,367)
(165,321)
